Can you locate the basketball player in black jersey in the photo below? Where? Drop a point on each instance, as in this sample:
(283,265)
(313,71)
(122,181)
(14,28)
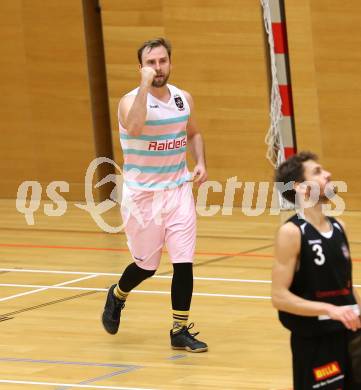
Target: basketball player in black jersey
(312,281)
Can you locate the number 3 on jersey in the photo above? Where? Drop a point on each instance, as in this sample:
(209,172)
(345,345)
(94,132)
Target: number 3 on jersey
(320,259)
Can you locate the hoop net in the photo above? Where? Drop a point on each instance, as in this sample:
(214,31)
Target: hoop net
(275,149)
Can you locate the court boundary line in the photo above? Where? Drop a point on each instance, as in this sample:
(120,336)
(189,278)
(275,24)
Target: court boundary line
(155,292)
(60,272)
(63,285)
(10,381)
(95,273)
(54,287)
(43,288)
(120,368)
(122,250)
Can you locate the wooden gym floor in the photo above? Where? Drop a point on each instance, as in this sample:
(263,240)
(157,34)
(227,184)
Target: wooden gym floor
(54,276)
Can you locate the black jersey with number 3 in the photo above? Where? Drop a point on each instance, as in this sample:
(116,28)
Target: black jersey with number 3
(324,273)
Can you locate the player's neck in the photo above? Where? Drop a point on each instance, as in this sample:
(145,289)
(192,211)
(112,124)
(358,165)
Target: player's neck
(161,93)
(315,216)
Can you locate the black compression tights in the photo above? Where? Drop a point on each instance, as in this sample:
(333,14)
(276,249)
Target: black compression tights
(182,286)
(132,276)
(182,283)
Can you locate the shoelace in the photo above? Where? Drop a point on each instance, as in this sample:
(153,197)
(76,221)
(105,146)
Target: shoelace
(193,335)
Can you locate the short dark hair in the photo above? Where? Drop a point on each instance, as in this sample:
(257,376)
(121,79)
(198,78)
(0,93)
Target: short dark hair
(292,170)
(151,44)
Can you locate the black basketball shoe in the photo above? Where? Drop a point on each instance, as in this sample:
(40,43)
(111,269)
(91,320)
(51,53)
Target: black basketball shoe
(182,339)
(111,314)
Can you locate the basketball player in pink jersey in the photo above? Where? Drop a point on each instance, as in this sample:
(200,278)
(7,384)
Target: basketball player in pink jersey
(156,124)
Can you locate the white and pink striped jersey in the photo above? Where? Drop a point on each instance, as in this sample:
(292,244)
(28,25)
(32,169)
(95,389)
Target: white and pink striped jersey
(156,159)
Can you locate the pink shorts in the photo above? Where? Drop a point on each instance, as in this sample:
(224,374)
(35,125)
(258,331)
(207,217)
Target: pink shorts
(153,219)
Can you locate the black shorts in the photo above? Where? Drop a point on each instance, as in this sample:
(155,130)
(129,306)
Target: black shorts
(321,362)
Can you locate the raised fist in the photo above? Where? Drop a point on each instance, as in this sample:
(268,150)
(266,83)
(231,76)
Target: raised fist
(147,75)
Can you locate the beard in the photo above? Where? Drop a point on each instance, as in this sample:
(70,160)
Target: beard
(160,80)
(330,190)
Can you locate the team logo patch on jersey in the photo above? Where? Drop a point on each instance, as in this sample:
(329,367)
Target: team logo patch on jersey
(179,102)
(168,145)
(312,242)
(326,371)
(345,251)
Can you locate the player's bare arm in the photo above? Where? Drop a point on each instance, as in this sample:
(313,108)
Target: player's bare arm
(132,110)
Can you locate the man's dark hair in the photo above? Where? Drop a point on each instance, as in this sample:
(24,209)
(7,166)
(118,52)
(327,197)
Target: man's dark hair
(292,170)
(151,44)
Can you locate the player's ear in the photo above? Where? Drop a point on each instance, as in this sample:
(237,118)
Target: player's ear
(297,186)
(300,186)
